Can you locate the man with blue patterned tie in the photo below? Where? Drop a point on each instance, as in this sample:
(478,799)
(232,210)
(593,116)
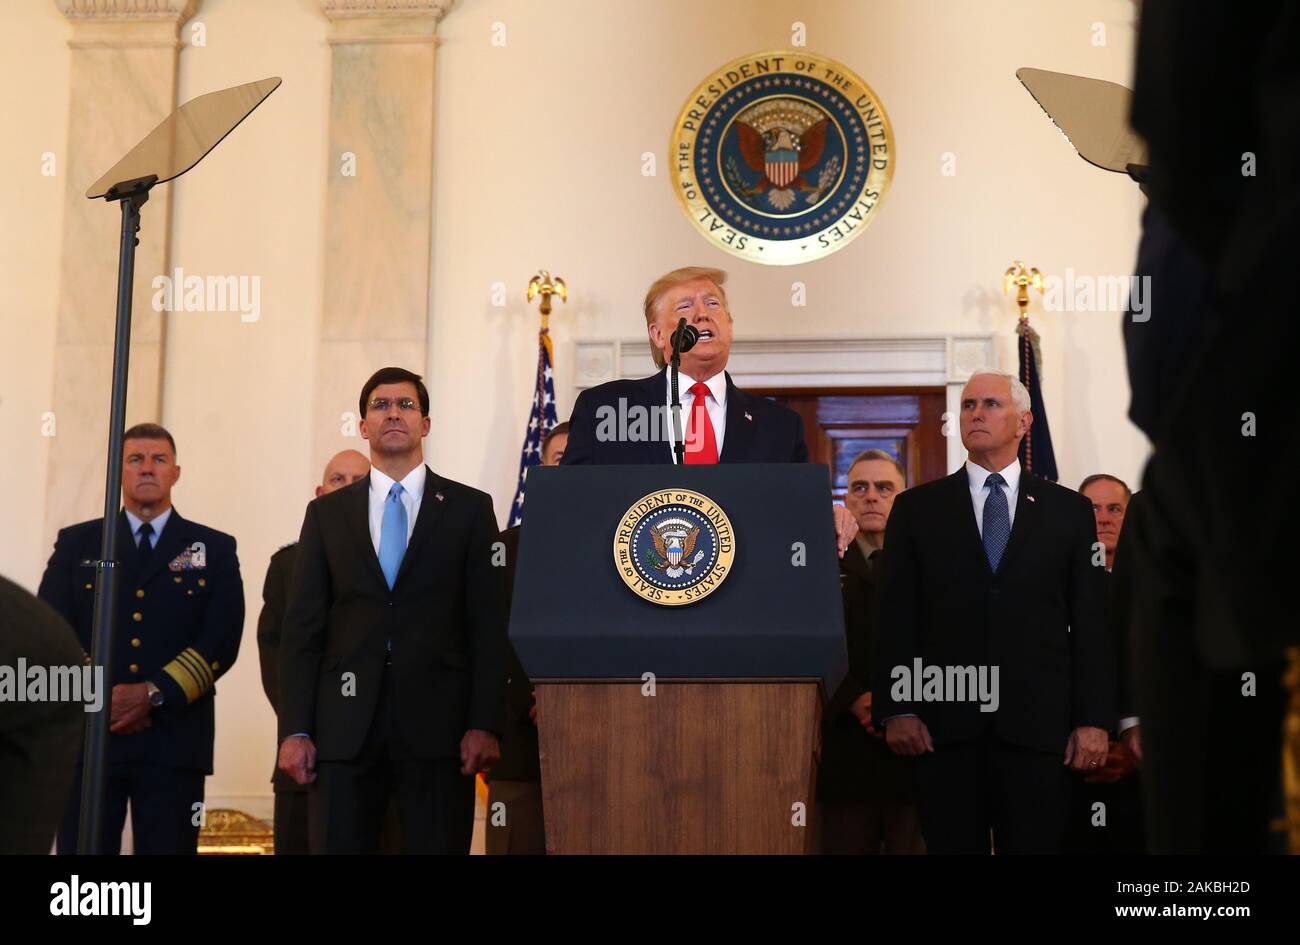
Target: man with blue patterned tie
(994,665)
(392,658)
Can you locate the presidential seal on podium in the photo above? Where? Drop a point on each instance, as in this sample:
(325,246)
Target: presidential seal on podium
(782,157)
(674,547)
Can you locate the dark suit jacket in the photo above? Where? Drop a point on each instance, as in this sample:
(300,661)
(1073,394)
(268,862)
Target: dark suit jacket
(1216,238)
(443,616)
(275,596)
(519,749)
(1122,586)
(1041,619)
(38,740)
(758,430)
(856,765)
(177,627)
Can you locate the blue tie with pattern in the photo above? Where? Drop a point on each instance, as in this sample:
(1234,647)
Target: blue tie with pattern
(392,535)
(997,521)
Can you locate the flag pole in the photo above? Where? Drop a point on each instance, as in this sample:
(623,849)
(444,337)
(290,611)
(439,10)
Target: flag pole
(541,418)
(1019,279)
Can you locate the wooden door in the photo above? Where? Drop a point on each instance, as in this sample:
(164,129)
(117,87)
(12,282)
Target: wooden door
(840,423)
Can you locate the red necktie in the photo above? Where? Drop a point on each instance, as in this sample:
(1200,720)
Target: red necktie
(701,443)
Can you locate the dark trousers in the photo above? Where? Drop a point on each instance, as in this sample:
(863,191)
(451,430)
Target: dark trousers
(291,823)
(1213,760)
(515,827)
(164,819)
(35,778)
(1212,753)
(347,802)
(1122,832)
(970,789)
(868,827)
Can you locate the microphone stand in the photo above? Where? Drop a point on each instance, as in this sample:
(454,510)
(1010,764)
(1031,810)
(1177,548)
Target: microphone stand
(679,448)
(132,195)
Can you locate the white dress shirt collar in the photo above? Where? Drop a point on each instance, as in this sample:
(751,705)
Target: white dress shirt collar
(977,474)
(717,386)
(159,522)
(412,495)
(412,482)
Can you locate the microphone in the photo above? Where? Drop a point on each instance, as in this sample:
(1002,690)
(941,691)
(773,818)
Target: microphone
(684,337)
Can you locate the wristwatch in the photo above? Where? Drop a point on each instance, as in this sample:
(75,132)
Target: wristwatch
(155,695)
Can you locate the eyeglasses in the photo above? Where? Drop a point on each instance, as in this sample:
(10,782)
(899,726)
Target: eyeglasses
(381,404)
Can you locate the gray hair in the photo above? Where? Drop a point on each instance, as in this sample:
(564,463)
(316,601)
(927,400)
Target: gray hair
(883,457)
(1019,393)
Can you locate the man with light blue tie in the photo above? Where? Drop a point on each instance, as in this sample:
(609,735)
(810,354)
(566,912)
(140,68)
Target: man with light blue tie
(392,657)
(994,665)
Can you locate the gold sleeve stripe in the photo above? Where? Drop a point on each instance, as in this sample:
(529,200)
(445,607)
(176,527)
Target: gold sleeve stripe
(199,665)
(191,673)
(184,678)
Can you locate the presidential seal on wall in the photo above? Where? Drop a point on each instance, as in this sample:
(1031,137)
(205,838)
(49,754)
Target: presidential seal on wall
(782,157)
(674,547)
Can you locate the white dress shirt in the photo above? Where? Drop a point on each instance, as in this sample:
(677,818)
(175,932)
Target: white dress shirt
(715,403)
(975,476)
(159,522)
(412,495)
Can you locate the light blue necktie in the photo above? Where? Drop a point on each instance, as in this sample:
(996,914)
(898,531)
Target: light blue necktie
(392,535)
(997,521)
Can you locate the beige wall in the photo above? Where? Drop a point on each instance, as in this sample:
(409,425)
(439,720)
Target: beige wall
(538,163)
(34,77)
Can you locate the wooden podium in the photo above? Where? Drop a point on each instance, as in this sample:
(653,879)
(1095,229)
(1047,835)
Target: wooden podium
(719,754)
(699,767)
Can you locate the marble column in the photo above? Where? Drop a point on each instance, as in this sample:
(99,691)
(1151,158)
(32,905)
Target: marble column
(378,206)
(123,83)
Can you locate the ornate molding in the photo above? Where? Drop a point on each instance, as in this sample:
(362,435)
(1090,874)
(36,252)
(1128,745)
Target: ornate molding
(128,10)
(907,360)
(227,831)
(348,9)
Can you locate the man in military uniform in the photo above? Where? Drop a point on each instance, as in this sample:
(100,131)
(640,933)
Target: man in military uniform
(180,613)
(865,793)
(344,469)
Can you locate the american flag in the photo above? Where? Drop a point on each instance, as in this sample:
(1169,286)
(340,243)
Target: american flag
(541,419)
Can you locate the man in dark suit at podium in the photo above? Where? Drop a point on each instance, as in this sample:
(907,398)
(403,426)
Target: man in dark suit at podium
(393,650)
(628,421)
(345,468)
(991,569)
